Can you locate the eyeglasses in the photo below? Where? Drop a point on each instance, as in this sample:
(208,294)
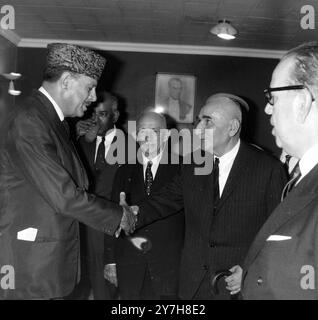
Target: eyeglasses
(270,98)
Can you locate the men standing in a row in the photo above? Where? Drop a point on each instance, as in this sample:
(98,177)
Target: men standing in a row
(96,135)
(147,263)
(223,210)
(43,183)
(282,261)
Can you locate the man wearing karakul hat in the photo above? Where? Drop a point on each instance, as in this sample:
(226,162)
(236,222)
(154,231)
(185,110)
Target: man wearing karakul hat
(43,183)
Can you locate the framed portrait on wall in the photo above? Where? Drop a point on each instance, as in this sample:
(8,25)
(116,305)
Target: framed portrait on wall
(175,95)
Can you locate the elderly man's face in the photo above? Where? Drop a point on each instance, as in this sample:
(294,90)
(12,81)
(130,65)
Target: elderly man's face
(80,94)
(215,128)
(151,135)
(282,112)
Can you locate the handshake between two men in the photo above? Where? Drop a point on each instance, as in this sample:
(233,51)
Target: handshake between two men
(129,219)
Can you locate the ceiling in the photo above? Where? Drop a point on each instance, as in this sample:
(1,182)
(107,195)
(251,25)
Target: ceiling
(262,24)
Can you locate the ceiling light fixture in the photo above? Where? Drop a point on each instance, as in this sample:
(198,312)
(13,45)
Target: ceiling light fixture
(11,77)
(224,30)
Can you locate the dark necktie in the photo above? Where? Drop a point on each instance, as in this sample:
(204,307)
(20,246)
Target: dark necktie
(216,187)
(295,176)
(287,159)
(149,178)
(286,164)
(100,157)
(66,127)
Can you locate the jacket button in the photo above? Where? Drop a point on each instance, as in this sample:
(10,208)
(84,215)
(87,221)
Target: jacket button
(259,281)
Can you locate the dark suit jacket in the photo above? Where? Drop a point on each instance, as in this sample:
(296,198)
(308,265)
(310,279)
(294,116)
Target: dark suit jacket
(165,236)
(220,240)
(42,185)
(100,183)
(92,241)
(273,269)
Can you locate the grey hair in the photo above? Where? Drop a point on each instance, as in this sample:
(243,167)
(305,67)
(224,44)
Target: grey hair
(306,64)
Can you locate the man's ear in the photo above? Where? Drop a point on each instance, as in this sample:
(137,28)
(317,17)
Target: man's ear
(235,127)
(65,80)
(302,105)
(116,115)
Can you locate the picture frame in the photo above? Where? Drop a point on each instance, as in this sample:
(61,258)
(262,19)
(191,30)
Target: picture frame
(175,95)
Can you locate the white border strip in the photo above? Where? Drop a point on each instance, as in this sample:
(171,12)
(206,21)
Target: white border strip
(10,35)
(159,48)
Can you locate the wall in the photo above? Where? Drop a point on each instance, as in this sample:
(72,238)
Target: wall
(132,77)
(8,60)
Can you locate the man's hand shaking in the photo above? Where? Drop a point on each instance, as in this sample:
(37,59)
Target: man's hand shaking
(129,218)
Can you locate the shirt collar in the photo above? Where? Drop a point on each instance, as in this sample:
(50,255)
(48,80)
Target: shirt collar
(309,160)
(110,135)
(55,105)
(229,156)
(155,160)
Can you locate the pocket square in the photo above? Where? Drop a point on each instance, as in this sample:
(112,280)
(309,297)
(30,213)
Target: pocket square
(277,237)
(28,234)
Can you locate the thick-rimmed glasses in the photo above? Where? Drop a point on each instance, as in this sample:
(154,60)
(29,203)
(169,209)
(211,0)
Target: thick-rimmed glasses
(270,98)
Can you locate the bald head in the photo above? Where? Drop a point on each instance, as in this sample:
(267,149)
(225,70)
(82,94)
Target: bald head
(150,119)
(222,117)
(152,133)
(224,106)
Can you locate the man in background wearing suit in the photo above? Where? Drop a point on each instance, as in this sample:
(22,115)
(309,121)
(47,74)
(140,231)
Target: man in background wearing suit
(147,263)
(43,183)
(223,210)
(96,136)
(177,108)
(283,259)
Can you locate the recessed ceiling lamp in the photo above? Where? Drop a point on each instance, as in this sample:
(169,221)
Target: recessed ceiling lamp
(224,30)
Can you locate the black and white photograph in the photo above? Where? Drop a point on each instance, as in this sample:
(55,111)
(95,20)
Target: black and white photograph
(175,94)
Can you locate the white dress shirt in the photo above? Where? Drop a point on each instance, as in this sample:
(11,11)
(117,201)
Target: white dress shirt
(292,162)
(109,137)
(308,161)
(225,165)
(55,105)
(155,164)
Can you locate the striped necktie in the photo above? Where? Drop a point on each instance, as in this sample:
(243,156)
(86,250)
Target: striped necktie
(295,176)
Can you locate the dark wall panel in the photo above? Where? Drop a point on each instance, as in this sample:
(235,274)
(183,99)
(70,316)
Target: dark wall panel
(132,76)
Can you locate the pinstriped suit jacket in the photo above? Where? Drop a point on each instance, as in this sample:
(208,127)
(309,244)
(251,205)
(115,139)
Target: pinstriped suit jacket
(220,240)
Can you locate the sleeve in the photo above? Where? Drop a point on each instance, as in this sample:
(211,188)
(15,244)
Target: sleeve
(163,203)
(35,153)
(118,186)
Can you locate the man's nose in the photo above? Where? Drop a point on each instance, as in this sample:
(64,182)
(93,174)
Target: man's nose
(268,109)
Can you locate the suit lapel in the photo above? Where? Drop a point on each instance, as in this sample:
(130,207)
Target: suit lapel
(293,204)
(140,181)
(91,150)
(49,113)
